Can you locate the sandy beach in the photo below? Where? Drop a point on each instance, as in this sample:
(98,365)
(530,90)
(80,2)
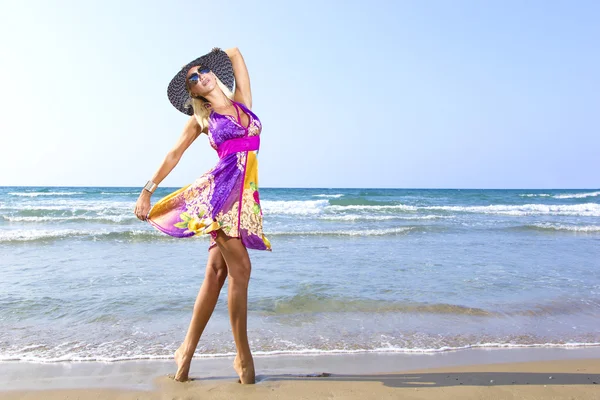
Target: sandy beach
(552,374)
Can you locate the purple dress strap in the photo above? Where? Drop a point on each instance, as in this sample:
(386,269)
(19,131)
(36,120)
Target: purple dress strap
(238,112)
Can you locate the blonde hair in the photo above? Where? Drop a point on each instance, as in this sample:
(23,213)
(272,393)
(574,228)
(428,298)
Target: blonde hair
(200,111)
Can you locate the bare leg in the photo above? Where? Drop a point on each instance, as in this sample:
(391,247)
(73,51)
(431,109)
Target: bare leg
(214,278)
(238,266)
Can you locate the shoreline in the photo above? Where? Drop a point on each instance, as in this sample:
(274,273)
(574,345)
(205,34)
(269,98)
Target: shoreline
(312,352)
(145,375)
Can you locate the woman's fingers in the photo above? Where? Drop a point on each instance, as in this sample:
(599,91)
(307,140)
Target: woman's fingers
(142,210)
(145,212)
(139,214)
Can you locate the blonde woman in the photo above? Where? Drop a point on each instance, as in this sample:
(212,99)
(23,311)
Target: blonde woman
(224,202)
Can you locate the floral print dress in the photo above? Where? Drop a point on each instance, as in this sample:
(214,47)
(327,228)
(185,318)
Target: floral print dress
(226,197)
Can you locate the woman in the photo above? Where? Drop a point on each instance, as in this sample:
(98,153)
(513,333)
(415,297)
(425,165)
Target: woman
(224,202)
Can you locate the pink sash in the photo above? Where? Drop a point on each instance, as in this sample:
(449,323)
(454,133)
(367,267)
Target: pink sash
(237,145)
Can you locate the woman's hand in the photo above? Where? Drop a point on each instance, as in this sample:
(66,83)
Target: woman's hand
(142,206)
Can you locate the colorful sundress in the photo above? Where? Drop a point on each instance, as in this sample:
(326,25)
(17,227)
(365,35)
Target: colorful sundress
(226,197)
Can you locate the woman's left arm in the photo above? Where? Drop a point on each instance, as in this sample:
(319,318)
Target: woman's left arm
(242,94)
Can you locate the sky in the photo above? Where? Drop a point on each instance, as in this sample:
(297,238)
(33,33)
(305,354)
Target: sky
(351,94)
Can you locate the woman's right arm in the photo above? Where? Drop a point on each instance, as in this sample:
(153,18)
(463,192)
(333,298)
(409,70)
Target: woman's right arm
(190,133)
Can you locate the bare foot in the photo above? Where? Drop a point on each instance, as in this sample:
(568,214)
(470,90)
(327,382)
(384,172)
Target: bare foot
(246,372)
(183,365)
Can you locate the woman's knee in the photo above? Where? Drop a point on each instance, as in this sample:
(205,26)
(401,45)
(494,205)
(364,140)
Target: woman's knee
(235,256)
(240,271)
(215,274)
(221,276)
(216,268)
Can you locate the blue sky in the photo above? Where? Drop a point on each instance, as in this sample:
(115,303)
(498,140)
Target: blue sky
(403,94)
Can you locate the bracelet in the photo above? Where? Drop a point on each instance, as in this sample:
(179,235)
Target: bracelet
(150,186)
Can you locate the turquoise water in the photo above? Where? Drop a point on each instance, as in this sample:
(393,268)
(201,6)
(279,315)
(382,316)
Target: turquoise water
(396,270)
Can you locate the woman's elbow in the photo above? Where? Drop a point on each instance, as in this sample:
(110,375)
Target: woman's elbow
(173,157)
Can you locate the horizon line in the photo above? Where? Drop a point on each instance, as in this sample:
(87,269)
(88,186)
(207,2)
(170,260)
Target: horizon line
(313,188)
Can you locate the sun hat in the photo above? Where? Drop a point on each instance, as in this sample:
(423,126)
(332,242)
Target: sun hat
(217,60)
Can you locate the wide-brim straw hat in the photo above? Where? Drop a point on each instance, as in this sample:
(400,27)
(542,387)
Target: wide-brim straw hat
(217,60)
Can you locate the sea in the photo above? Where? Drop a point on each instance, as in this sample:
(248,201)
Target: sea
(351,271)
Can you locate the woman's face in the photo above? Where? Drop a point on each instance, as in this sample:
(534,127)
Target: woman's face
(199,81)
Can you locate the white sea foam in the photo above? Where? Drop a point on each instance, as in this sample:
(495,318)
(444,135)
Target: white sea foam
(576,195)
(27,235)
(583,210)
(36,194)
(364,232)
(306,207)
(356,217)
(329,196)
(572,228)
(70,357)
(70,205)
(48,234)
(401,207)
(314,207)
(152,232)
(100,218)
(535,195)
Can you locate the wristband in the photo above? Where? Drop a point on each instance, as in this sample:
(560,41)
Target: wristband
(150,186)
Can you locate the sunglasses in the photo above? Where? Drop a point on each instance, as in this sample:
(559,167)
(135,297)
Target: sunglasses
(195,77)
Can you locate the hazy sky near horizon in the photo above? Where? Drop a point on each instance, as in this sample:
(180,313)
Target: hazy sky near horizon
(404,94)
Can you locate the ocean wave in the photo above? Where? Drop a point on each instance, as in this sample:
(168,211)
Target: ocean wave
(294,207)
(299,350)
(311,301)
(562,227)
(314,207)
(70,205)
(315,303)
(535,195)
(36,194)
(329,196)
(272,207)
(75,218)
(363,232)
(583,210)
(357,217)
(577,195)
(340,209)
(587,209)
(359,201)
(48,234)
(319,209)
(28,235)
(400,207)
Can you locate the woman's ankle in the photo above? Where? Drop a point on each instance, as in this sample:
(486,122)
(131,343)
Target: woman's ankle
(185,352)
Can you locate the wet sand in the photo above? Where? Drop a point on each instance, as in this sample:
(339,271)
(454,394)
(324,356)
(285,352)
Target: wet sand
(469,374)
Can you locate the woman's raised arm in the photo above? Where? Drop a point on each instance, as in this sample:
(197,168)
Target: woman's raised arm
(243,93)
